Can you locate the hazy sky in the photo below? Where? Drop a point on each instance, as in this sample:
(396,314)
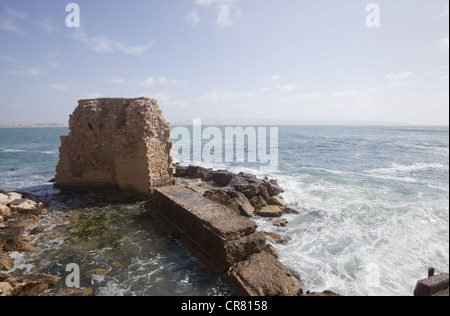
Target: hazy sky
(230,59)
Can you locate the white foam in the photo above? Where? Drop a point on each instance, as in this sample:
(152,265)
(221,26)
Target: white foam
(397,168)
(12,151)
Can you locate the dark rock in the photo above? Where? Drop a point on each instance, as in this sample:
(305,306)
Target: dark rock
(264,193)
(237,181)
(75,292)
(219,195)
(289,210)
(273,188)
(11,233)
(258,202)
(181,171)
(37,230)
(11,239)
(249,187)
(247,175)
(232,199)
(433,285)
(18,245)
(29,285)
(200,172)
(280,223)
(223,178)
(238,199)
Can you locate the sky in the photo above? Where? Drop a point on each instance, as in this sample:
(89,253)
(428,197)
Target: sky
(246,61)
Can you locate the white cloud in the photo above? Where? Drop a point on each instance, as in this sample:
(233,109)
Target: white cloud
(218,95)
(165,80)
(94,95)
(227,15)
(59,87)
(444,12)
(10,22)
(103,44)
(46,25)
(309,96)
(257,92)
(143,83)
(150,81)
(444,43)
(193,18)
(9,59)
(348,93)
(286,88)
(275,78)
(23,71)
(401,78)
(227,11)
(363,92)
(270,79)
(116,80)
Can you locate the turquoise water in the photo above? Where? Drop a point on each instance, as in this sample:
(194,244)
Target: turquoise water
(373,201)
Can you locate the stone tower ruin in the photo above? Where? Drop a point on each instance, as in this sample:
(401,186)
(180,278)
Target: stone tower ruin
(116,145)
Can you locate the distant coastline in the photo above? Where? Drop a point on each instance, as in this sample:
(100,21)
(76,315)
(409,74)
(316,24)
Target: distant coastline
(32,125)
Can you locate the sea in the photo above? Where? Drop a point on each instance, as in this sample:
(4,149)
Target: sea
(373,216)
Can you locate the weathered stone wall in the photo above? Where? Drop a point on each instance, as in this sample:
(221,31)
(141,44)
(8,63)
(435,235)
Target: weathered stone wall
(116,145)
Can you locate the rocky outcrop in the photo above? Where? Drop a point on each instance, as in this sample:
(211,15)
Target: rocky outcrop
(262,275)
(25,285)
(18,213)
(116,145)
(244,193)
(432,285)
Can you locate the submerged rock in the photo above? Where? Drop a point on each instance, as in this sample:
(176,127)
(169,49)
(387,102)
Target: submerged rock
(75,292)
(280,223)
(28,285)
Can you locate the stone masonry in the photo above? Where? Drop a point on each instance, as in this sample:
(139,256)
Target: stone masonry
(116,145)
